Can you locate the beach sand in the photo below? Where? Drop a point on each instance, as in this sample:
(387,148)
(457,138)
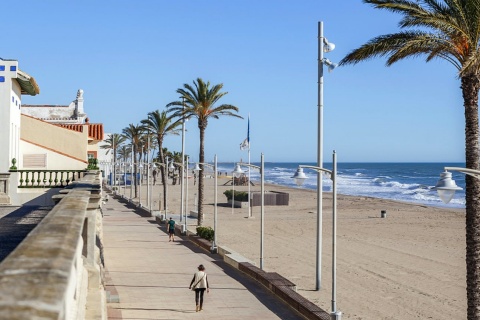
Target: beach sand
(409,265)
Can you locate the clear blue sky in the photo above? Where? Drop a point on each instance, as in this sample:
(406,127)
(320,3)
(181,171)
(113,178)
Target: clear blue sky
(129,57)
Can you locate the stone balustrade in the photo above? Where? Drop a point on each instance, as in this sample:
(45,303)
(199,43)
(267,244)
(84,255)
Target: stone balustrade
(47,178)
(56,272)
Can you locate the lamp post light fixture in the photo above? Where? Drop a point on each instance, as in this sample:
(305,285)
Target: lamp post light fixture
(214,248)
(446,187)
(238,170)
(323,46)
(300,177)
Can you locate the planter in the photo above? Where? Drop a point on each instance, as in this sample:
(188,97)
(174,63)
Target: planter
(239,204)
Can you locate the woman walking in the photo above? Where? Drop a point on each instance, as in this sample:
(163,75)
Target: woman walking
(200,283)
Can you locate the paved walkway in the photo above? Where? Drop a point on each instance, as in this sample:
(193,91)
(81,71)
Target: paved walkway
(151,275)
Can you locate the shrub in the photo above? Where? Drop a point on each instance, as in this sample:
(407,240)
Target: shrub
(239,195)
(205,233)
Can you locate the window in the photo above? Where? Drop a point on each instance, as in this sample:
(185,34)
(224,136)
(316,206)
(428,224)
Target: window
(35,160)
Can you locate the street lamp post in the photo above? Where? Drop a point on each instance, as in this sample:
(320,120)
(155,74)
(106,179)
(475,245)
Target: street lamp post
(131,174)
(214,248)
(183,166)
(186,196)
(124,179)
(323,46)
(299,179)
(149,193)
(239,171)
(140,169)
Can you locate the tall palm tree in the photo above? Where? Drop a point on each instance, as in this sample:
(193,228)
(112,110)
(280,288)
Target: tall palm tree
(134,134)
(160,124)
(124,152)
(113,142)
(449,30)
(199,102)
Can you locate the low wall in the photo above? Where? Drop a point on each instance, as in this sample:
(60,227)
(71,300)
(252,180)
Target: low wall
(56,272)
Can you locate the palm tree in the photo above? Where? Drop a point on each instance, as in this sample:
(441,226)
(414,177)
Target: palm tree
(113,142)
(160,125)
(125,152)
(199,102)
(449,30)
(134,134)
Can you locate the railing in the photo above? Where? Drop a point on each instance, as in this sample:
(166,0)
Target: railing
(48,178)
(56,272)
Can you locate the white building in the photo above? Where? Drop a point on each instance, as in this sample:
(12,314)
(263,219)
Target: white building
(41,143)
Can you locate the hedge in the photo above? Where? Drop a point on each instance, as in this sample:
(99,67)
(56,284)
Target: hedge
(239,195)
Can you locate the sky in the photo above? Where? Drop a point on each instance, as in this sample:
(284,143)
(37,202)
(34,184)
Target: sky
(130,57)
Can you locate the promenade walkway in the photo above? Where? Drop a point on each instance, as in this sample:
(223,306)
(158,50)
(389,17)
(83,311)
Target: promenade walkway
(151,274)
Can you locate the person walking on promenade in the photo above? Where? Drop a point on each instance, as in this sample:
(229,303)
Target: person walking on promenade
(200,284)
(154,174)
(171,230)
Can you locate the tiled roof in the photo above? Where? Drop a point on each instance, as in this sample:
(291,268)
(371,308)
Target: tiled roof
(95,130)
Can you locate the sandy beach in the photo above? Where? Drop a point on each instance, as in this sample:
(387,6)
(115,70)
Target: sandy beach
(409,265)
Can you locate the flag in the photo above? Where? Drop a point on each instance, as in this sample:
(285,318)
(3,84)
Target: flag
(246,143)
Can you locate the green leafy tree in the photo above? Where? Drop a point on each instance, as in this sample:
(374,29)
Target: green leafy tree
(199,102)
(160,124)
(449,30)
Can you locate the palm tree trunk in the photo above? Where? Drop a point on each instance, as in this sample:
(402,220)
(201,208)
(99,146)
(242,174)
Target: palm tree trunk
(201,158)
(470,89)
(135,170)
(162,172)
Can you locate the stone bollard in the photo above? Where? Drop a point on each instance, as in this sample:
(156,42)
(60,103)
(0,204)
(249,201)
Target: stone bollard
(384,213)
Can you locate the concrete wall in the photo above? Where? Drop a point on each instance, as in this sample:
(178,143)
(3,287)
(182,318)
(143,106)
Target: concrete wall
(53,139)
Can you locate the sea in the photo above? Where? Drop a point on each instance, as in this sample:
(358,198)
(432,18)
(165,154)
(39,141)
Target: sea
(408,182)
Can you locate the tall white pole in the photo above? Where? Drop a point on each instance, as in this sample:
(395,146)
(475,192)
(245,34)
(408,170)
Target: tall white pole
(140,169)
(249,193)
(183,166)
(318,274)
(166,188)
(215,244)
(149,193)
(233,191)
(186,195)
(114,162)
(262,213)
(131,175)
(124,179)
(336,315)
